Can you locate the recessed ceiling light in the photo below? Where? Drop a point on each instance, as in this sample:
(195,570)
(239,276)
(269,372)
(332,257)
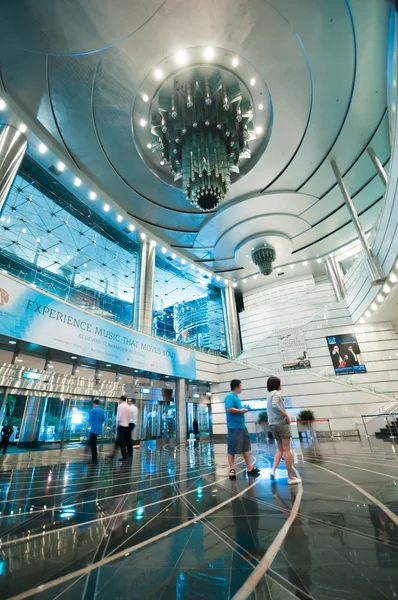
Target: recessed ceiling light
(92,195)
(253,81)
(19,359)
(218,278)
(278,269)
(106,207)
(143,236)
(145,97)
(226,281)
(255,276)
(164,250)
(235,61)
(2,104)
(22,128)
(77,182)
(174,256)
(158,74)
(362,320)
(234,284)
(374,306)
(259,130)
(42,148)
(73,357)
(50,366)
(131,227)
(12,342)
(386,288)
(380,298)
(149,146)
(260,106)
(154,243)
(305,263)
(181,57)
(56,250)
(208,53)
(318,260)
(108,365)
(183,261)
(38,240)
(142,122)
(393,278)
(368,314)
(60,166)
(24,230)
(291,266)
(119,218)
(192,266)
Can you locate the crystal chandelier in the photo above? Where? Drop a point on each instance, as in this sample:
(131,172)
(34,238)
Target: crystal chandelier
(201,127)
(263,258)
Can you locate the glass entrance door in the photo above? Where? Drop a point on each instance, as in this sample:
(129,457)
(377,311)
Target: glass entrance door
(150,420)
(77,420)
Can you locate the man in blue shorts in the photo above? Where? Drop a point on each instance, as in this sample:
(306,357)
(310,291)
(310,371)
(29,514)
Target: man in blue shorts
(238,436)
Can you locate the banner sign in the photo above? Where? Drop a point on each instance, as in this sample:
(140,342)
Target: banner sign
(293,350)
(35,317)
(346,354)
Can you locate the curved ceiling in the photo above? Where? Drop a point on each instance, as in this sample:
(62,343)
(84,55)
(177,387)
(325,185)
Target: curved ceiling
(77,68)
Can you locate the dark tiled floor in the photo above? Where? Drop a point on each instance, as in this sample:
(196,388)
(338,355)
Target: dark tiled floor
(172,525)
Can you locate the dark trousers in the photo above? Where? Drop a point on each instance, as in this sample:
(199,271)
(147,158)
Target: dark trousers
(122,439)
(93,444)
(4,443)
(130,439)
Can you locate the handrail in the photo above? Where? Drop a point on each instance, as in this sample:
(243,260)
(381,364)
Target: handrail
(392,414)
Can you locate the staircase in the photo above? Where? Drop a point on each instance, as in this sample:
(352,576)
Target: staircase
(390,431)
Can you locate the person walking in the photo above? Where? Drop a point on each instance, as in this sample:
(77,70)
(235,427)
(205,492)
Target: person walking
(195,428)
(97,418)
(123,429)
(132,424)
(279,424)
(238,436)
(6,433)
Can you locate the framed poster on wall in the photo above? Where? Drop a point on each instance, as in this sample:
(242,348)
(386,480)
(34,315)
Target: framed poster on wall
(293,350)
(346,354)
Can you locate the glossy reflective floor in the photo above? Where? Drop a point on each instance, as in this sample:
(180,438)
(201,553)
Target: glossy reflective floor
(171,525)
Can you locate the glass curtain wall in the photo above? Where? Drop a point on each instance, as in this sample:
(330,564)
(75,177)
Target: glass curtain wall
(44,242)
(187,307)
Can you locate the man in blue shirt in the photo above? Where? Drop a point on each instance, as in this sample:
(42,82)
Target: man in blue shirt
(97,418)
(238,436)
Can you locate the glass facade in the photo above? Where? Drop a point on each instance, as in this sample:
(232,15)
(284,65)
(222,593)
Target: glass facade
(52,240)
(187,308)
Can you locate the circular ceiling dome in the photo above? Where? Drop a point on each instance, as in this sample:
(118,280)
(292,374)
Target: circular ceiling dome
(200,127)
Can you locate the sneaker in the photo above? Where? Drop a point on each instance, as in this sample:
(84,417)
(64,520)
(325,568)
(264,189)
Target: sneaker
(294,481)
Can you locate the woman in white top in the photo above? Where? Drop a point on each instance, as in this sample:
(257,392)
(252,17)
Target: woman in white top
(279,424)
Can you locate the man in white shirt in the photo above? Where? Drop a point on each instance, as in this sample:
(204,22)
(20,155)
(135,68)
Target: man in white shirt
(132,424)
(123,429)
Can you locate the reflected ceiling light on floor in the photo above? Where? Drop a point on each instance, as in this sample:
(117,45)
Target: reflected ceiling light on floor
(145,97)
(142,122)
(259,130)
(92,195)
(305,263)
(192,266)
(60,166)
(183,261)
(218,278)
(2,104)
(393,278)
(149,146)
(119,218)
(22,128)
(131,227)
(235,61)
(164,250)
(77,182)
(143,235)
(226,281)
(38,240)
(291,266)
(158,74)
(245,281)
(386,288)
(174,256)
(106,207)
(234,284)
(255,276)
(319,260)
(260,106)
(380,298)
(253,81)
(24,230)
(42,148)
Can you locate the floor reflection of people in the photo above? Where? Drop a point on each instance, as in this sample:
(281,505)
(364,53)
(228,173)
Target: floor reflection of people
(296,548)
(249,550)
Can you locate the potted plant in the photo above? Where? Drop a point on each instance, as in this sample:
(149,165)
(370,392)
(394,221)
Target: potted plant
(263,421)
(304,419)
